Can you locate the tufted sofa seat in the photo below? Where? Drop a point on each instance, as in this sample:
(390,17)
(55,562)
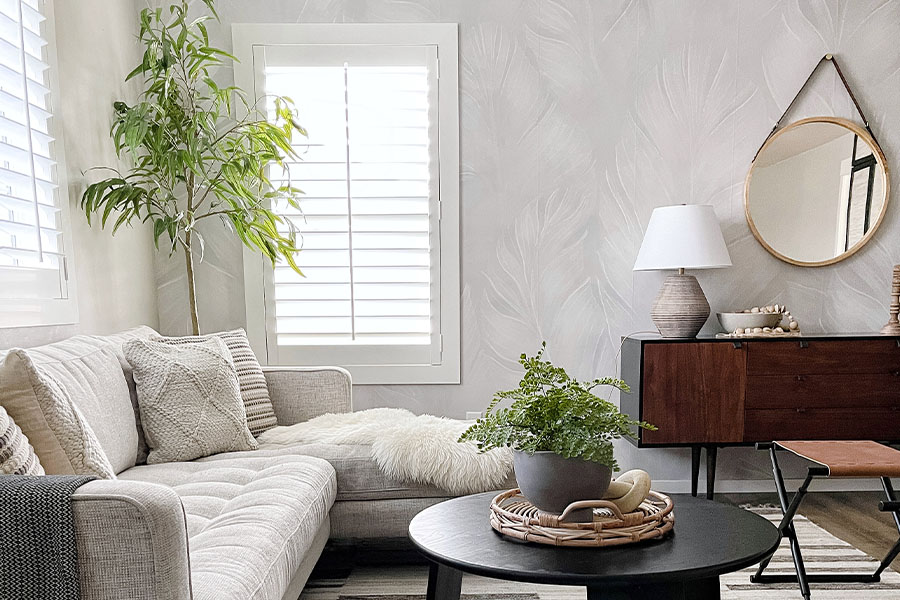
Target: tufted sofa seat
(250,520)
(369,505)
(232,526)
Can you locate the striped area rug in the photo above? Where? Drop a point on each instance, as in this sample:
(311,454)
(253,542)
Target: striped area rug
(823,553)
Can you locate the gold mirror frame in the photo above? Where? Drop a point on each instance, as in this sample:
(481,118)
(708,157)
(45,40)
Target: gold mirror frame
(865,136)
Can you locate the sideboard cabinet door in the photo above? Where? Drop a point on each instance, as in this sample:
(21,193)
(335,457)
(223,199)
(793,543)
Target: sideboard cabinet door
(694,393)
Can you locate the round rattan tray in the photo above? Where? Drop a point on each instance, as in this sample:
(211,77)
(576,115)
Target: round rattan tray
(514,516)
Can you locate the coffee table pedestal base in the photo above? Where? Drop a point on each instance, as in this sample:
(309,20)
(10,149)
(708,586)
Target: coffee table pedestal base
(445,583)
(697,589)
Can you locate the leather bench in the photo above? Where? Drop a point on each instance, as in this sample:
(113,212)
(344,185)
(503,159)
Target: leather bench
(832,459)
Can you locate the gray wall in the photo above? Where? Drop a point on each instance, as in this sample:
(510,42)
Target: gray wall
(578,117)
(116,288)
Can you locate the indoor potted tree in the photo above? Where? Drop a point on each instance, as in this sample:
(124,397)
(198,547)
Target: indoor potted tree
(561,434)
(192,157)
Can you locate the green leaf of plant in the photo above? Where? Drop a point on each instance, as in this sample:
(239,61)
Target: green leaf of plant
(190,157)
(551,411)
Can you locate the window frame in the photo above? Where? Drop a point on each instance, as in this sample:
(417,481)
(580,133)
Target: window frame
(39,312)
(445,367)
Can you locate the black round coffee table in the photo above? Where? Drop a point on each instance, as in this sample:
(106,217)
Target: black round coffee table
(709,539)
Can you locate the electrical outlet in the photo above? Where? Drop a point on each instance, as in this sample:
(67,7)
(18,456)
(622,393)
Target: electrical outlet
(471,416)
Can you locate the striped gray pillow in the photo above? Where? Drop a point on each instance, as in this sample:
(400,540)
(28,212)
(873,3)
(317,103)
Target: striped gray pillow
(254,392)
(17,457)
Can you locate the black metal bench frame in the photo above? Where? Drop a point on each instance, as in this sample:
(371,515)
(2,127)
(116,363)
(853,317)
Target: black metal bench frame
(786,529)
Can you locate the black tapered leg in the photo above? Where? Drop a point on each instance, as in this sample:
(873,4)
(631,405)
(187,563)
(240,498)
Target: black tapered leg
(697,589)
(891,495)
(887,560)
(786,528)
(444,583)
(895,549)
(711,453)
(695,469)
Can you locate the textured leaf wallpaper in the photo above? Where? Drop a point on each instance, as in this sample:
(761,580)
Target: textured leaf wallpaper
(578,117)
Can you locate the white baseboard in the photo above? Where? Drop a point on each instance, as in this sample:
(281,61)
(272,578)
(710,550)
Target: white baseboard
(732,486)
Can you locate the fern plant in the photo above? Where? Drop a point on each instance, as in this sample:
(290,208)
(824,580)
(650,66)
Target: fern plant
(551,411)
(192,159)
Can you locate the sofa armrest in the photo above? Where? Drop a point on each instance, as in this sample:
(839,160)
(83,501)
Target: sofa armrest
(132,541)
(301,393)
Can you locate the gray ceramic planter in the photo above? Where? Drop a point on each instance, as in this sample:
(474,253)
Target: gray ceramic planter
(552,482)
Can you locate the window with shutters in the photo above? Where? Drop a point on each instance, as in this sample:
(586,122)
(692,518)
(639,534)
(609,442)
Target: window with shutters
(379,219)
(34,286)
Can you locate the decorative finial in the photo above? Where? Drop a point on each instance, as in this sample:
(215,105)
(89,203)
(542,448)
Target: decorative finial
(893,326)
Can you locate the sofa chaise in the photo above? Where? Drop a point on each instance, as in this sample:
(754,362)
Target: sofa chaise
(233,526)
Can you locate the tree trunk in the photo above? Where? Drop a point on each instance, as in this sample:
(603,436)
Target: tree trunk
(192,290)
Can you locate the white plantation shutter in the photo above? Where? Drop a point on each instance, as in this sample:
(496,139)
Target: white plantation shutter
(32,258)
(370,216)
(370,197)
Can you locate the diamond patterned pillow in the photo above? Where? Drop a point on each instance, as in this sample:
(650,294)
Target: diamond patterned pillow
(254,391)
(17,457)
(189,399)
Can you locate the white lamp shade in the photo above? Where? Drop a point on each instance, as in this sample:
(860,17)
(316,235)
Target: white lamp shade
(683,237)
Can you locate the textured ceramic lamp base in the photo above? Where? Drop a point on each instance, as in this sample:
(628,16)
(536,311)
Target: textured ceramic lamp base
(681,309)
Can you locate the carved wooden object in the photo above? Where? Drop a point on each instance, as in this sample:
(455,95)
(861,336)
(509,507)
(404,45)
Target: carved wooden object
(893,326)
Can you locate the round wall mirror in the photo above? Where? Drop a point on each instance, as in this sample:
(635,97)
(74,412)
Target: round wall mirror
(817,191)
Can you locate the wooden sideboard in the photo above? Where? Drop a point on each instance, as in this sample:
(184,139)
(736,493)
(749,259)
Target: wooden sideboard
(709,392)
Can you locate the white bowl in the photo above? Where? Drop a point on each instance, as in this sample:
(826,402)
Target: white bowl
(731,321)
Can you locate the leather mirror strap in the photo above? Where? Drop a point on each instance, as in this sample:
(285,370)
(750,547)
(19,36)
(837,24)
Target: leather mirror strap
(830,59)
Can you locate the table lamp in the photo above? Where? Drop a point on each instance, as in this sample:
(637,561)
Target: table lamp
(682,237)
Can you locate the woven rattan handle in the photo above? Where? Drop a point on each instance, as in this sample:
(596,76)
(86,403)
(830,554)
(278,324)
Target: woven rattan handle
(592,504)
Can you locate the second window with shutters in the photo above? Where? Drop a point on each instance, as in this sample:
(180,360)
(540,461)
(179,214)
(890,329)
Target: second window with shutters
(35,287)
(379,218)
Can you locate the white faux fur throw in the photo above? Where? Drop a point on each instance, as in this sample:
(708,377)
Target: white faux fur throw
(414,449)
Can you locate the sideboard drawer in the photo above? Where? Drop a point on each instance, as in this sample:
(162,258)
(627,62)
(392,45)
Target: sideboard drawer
(865,390)
(822,424)
(826,357)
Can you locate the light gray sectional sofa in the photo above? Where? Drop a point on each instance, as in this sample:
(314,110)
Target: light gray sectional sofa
(233,526)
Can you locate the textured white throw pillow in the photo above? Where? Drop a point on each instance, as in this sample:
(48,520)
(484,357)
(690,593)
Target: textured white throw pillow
(46,409)
(254,391)
(189,399)
(17,457)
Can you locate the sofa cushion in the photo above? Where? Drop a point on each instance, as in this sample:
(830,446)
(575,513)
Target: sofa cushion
(251,520)
(254,392)
(52,404)
(189,399)
(358,475)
